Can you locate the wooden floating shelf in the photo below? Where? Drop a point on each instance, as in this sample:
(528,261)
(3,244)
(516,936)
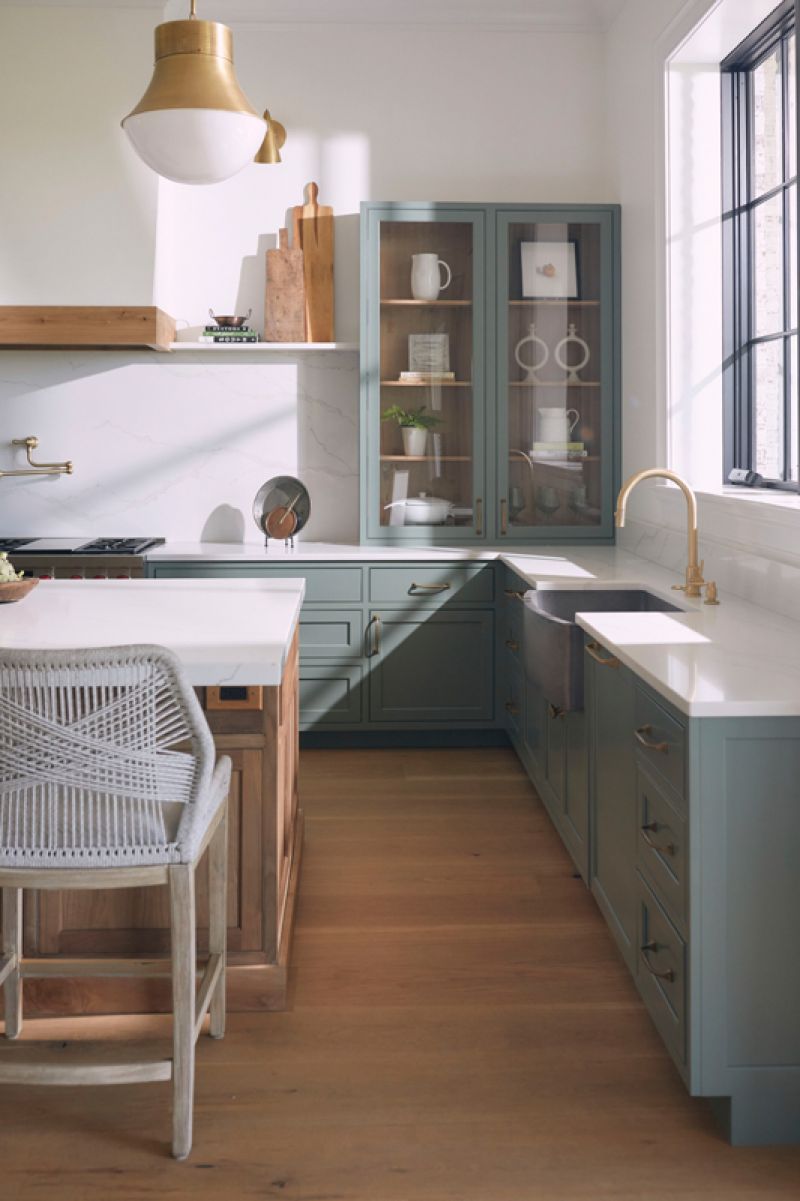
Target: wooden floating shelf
(430,304)
(434,383)
(106,327)
(262,347)
(425,459)
(557,304)
(522,383)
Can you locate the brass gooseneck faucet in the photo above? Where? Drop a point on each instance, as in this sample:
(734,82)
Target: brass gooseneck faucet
(694,570)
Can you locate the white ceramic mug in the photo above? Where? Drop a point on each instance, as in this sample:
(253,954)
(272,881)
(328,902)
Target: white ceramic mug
(556,425)
(426,280)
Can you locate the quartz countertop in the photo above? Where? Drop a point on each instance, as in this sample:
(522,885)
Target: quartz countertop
(223,631)
(735,660)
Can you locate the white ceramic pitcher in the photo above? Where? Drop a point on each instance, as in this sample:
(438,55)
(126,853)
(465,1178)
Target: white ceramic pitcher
(426,280)
(556,425)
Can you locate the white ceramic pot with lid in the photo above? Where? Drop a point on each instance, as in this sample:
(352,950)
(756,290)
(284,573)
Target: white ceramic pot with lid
(423,509)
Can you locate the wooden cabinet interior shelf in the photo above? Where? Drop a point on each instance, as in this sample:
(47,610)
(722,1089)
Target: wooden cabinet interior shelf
(434,383)
(425,458)
(524,383)
(103,327)
(431,304)
(560,304)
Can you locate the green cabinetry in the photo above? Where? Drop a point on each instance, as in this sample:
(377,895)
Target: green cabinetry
(495,331)
(399,646)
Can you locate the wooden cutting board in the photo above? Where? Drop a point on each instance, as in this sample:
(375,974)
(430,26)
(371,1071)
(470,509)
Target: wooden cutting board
(312,232)
(285,300)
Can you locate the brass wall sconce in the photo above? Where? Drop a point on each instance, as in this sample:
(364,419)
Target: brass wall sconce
(275,137)
(30,445)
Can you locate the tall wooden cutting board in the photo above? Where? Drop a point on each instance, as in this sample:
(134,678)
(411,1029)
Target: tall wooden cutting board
(312,232)
(285,300)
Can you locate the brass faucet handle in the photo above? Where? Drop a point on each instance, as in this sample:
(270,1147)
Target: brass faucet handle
(711,594)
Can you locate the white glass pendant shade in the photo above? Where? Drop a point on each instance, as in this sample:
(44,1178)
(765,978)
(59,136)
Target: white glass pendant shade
(195,145)
(194,124)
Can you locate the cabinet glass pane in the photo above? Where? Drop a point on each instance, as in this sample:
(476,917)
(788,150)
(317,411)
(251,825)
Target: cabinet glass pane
(427,438)
(554,371)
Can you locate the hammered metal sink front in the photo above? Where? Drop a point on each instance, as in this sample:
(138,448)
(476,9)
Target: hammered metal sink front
(553,643)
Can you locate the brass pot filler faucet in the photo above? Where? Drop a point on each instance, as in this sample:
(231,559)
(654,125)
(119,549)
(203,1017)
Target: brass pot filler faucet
(694,570)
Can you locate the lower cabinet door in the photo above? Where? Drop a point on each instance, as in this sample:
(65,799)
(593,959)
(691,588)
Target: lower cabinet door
(536,727)
(611,709)
(330,695)
(435,667)
(575,796)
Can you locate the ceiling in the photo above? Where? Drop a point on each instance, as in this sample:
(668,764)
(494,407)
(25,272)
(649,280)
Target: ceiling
(470,14)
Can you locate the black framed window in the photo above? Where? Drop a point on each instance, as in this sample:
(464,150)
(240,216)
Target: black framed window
(760,372)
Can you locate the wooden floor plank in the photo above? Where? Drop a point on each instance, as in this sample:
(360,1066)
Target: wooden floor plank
(461,1030)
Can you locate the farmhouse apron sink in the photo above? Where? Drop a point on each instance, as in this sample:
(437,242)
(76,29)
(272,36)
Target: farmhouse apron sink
(553,643)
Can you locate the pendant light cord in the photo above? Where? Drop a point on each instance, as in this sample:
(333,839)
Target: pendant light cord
(192,11)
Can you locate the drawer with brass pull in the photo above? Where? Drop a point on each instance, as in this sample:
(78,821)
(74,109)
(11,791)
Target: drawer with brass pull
(661,971)
(662,845)
(432,584)
(660,740)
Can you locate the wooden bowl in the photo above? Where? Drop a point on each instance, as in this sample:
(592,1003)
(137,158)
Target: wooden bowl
(15,590)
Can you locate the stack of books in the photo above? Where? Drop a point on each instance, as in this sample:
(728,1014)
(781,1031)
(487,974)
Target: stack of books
(228,333)
(560,451)
(426,377)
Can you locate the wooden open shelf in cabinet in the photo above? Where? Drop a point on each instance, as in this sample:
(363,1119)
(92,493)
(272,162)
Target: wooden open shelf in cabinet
(523,383)
(555,304)
(434,383)
(430,304)
(426,459)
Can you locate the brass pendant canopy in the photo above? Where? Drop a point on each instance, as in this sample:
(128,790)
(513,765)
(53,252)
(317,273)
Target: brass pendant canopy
(193,69)
(270,149)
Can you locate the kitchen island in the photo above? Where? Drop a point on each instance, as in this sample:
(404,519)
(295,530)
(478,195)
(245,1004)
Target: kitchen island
(237,641)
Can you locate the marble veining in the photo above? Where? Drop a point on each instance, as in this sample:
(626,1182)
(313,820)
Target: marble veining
(177,447)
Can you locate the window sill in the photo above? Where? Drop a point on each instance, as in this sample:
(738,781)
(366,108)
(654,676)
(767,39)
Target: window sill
(733,513)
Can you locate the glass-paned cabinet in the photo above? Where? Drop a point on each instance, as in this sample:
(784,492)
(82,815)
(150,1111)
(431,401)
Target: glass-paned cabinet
(490,372)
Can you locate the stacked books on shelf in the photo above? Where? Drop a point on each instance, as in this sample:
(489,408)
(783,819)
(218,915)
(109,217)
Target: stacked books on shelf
(426,377)
(564,452)
(228,333)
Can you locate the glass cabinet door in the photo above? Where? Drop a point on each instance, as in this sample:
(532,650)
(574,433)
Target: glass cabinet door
(424,438)
(556,374)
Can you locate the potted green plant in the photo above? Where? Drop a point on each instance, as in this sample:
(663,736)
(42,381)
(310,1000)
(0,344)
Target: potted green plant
(415,425)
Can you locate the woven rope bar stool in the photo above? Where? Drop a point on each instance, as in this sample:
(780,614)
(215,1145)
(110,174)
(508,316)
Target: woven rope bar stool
(108,780)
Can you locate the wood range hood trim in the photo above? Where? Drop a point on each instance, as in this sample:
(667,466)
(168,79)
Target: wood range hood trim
(100,327)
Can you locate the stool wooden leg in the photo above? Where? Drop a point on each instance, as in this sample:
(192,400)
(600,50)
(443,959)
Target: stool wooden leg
(184,971)
(218,918)
(12,945)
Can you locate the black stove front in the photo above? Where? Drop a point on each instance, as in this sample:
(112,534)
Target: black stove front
(78,546)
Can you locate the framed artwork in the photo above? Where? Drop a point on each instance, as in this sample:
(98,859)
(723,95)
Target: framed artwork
(429,353)
(550,271)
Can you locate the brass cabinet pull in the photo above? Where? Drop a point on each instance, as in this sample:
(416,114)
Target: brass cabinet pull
(372,641)
(643,740)
(512,645)
(668,848)
(479,516)
(645,950)
(593,649)
(512,707)
(512,594)
(554,711)
(504,516)
(427,588)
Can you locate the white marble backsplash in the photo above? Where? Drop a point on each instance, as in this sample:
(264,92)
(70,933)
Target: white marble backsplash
(764,577)
(178,446)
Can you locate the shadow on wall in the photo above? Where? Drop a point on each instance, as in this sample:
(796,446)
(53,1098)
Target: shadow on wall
(224,524)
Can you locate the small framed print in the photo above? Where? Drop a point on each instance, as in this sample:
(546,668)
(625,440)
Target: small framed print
(550,271)
(429,354)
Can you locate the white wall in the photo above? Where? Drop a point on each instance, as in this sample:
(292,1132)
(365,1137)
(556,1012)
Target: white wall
(385,114)
(77,210)
(666,150)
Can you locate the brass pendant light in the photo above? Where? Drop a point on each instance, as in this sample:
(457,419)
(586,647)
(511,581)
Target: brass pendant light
(270,149)
(194,123)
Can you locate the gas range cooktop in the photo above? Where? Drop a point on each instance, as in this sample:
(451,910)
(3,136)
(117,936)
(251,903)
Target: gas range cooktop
(79,546)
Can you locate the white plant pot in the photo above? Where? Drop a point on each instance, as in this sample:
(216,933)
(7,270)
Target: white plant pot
(414,442)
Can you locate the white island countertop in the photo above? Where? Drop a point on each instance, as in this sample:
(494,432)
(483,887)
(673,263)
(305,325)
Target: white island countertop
(737,660)
(223,631)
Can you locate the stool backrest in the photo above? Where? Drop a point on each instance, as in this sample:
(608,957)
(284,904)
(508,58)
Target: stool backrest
(88,758)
